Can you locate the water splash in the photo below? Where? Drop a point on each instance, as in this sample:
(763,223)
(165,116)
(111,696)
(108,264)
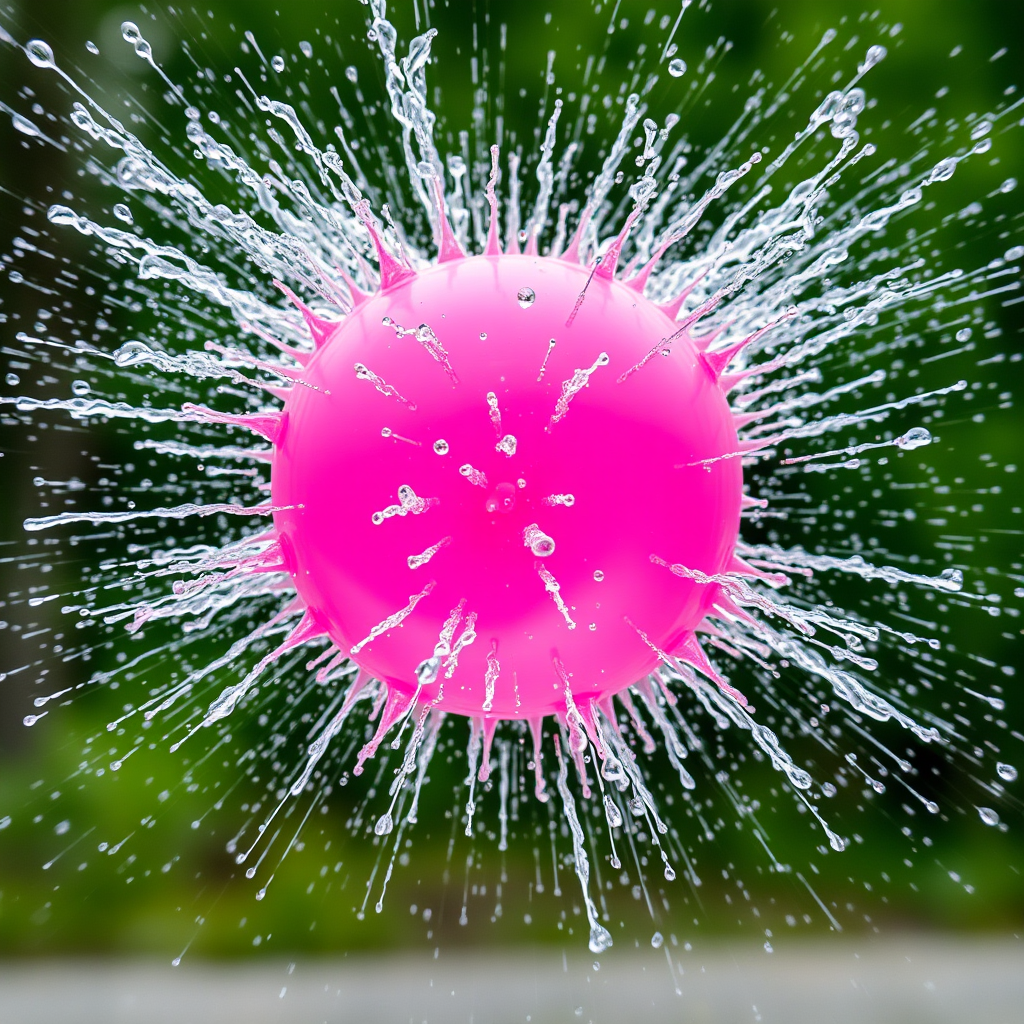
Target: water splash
(804,260)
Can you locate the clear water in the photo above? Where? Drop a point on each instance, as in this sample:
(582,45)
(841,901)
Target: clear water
(813,234)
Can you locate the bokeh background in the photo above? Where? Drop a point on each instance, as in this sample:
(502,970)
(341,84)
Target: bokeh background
(967,881)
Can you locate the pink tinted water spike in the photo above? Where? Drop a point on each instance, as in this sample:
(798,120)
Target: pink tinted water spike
(473,490)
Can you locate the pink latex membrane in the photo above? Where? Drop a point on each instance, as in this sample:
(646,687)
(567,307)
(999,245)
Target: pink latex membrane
(474,510)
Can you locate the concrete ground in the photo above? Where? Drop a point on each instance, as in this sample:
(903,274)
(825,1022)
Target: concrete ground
(909,980)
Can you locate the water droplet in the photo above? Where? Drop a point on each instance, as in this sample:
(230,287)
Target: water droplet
(507,445)
(25,126)
(277,63)
(677,68)
(40,53)
(351,73)
(872,57)
(441,446)
(526,297)
(92,47)
(943,170)
(1006,772)
(306,48)
(915,437)
(598,575)
(122,213)
(963,334)
(600,940)
(12,379)
(483,335)
(988,816)
(80,387)
(568,500)
(538,541)
(980,130)
(657,939)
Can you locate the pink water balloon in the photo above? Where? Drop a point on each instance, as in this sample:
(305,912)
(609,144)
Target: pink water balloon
(483,480)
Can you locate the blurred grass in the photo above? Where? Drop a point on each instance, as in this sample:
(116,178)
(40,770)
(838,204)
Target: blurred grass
(85,902)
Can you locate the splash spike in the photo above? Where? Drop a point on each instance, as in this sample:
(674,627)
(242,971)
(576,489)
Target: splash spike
(335,659)
(753,444)
(302,358)
(748,502)
(512,205)
(708,628)
(572,250)
(487,726)
(725,607)
(706,307)
(586,711)
(358,295)
(738,567)
(639,282)
(730,380)
(743,419)
(336,294)
(448,247)
(670,698)
(577,749)
(260,364)
(645,689)
(705,341)
(392,270)
(358,684)
(268,425)
(627,271)
(556,244)
(610,260)
(280,393)
(493,247)
(364,267)
(671,308)
(626,700)
(716,362)
(397,705)
(691,652)
(307,628)
(606,705)
(537,734)
(319,329)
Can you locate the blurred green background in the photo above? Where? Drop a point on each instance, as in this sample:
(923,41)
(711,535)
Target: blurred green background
(178,885)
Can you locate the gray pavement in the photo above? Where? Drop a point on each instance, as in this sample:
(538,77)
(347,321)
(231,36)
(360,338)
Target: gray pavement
(835,981)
